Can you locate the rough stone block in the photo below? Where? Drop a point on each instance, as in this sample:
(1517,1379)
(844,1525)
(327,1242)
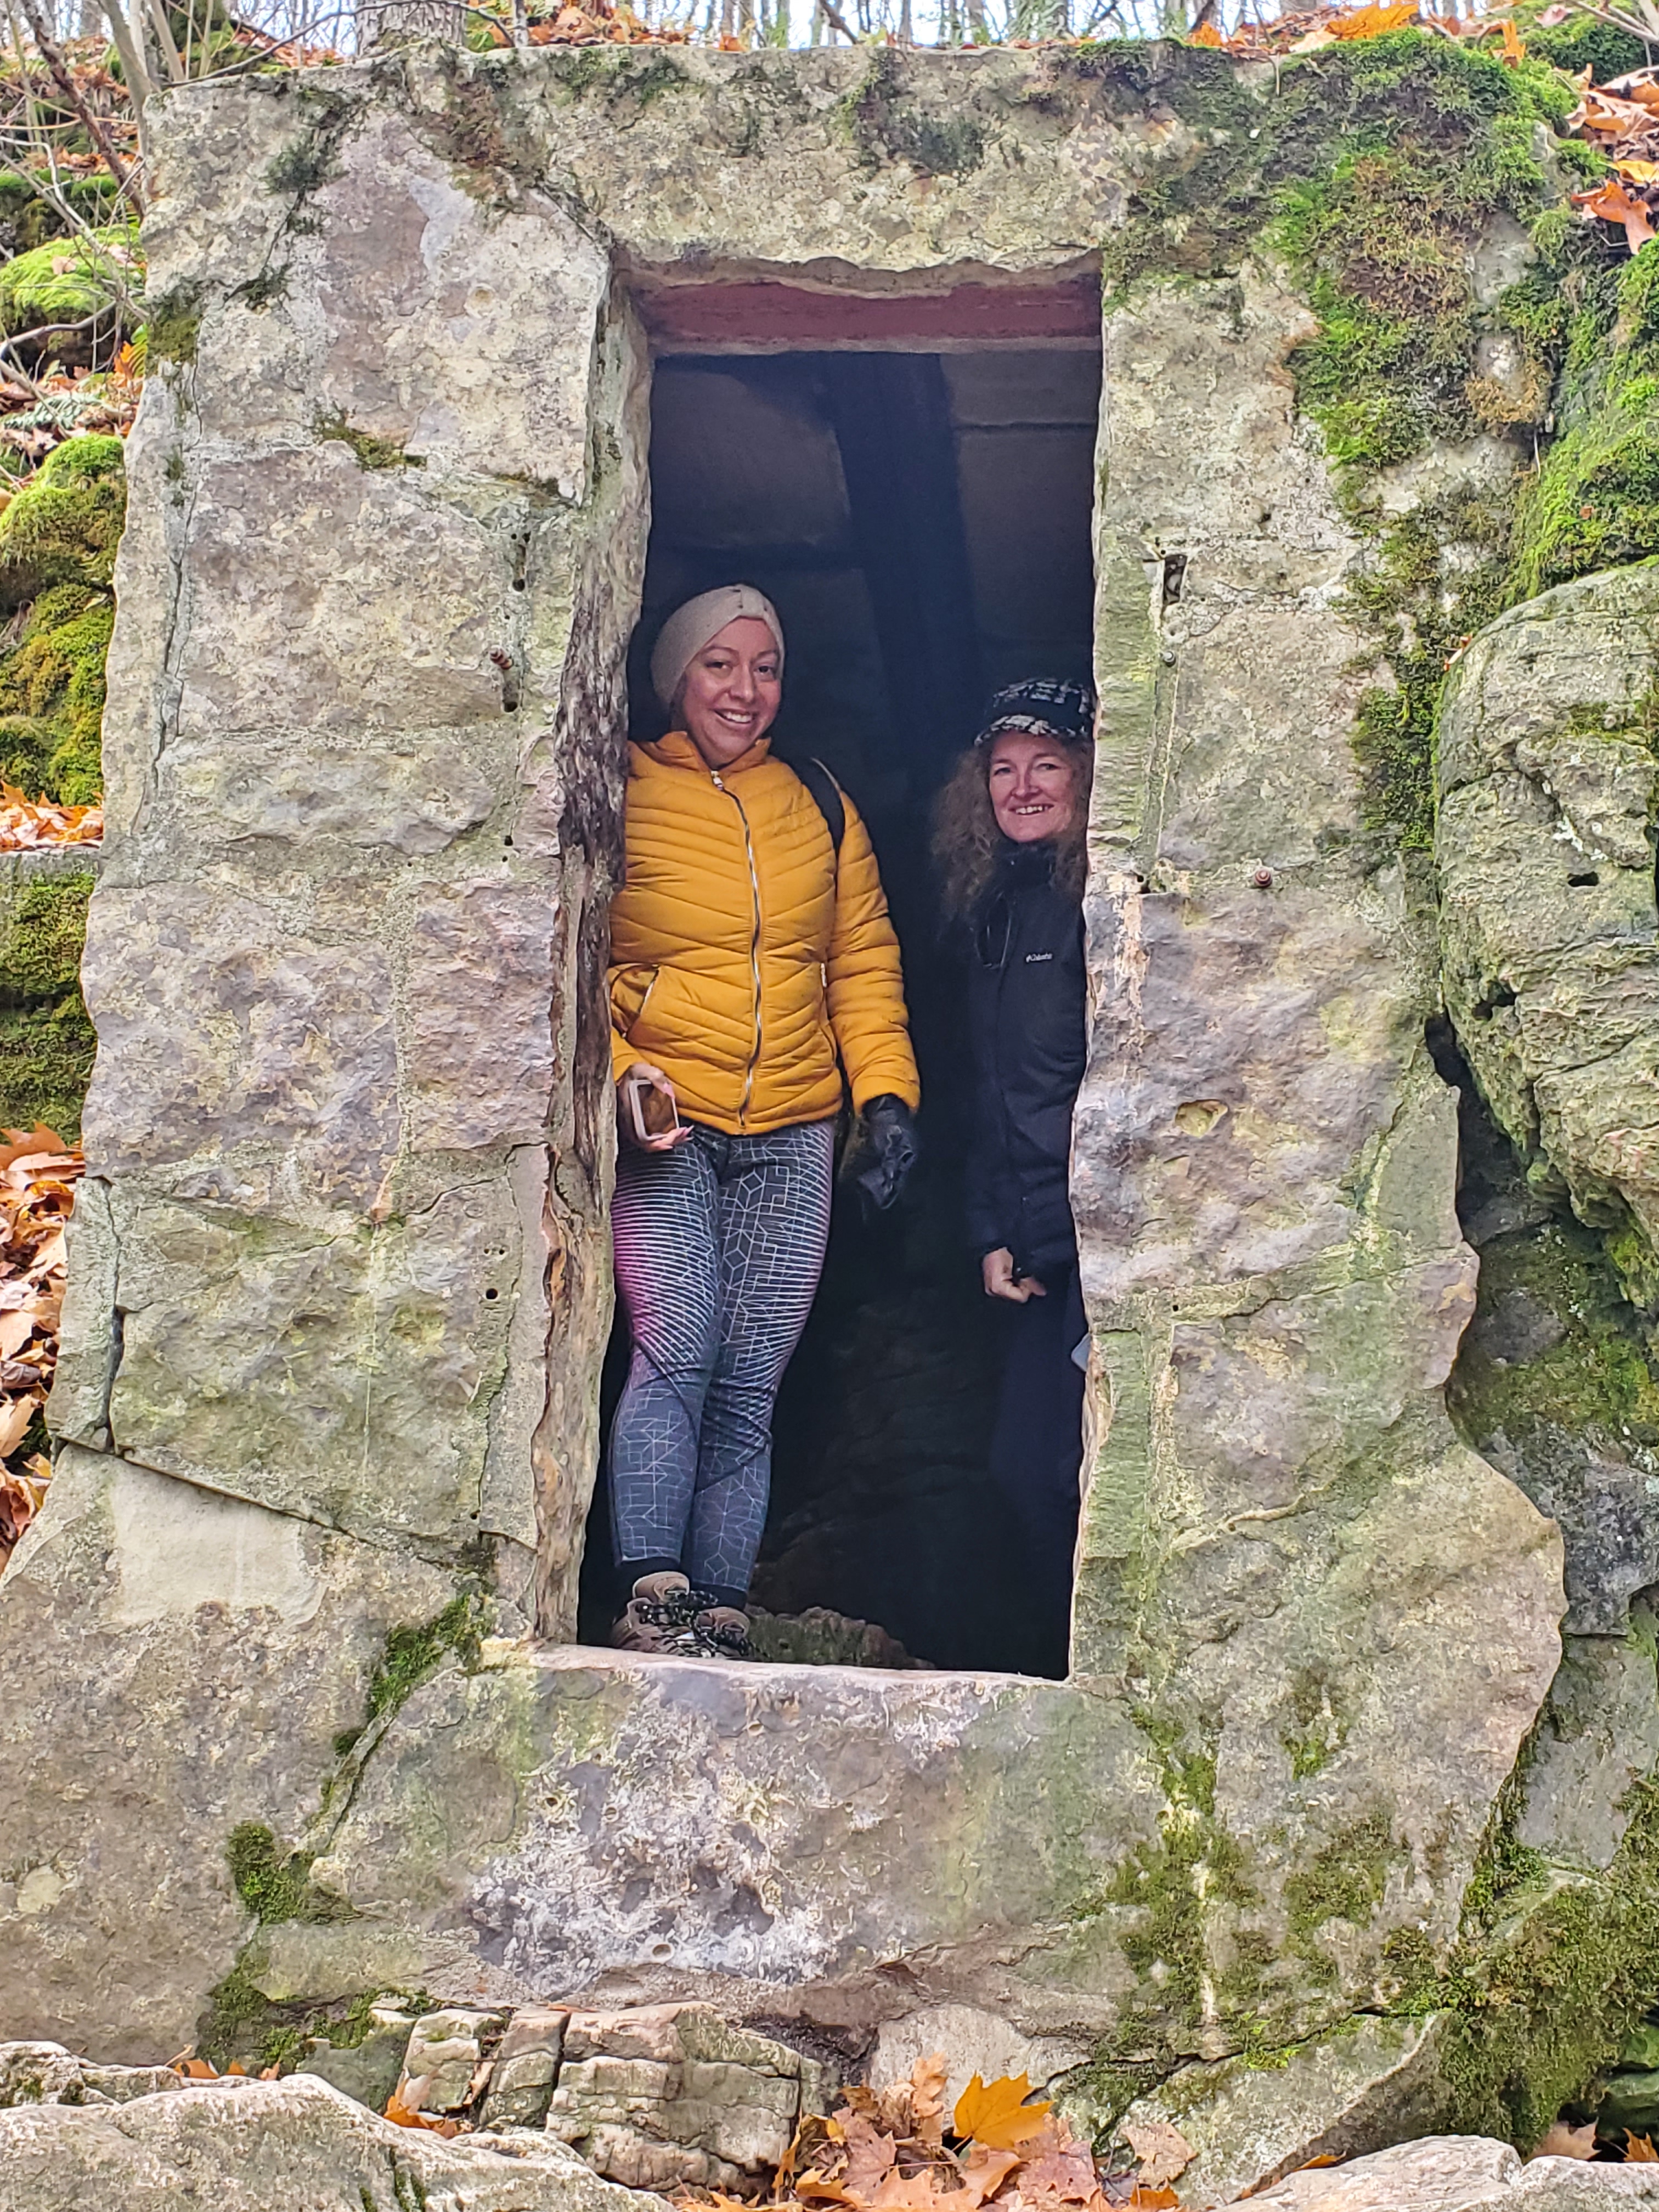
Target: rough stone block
(292,614)
(267,2143)
(190,1658)
(458,330)
(443,2067)
(367,2072)
(525,2067)
(294,1366)
(46,2074)
(1463,2173)
(478,1047)
(222,1025)
(1335,2098)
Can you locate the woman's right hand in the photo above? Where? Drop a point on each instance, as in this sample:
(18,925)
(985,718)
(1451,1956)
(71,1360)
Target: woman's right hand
(643,1071)
(997,1270)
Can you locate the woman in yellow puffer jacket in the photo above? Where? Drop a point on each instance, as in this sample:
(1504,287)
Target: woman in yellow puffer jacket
(752,964)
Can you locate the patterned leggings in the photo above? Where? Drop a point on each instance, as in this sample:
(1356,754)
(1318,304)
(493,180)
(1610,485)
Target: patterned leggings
(719,1245)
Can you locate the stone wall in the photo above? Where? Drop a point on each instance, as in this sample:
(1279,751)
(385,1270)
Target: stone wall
(338,1289)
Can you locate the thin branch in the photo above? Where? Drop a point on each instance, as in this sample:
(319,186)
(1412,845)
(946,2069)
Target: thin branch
(72,96)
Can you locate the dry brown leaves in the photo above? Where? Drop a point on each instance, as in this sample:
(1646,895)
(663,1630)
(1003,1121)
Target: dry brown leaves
(1621,119)
(27,824)
(897,2151)
(37,1175)
(1306,30)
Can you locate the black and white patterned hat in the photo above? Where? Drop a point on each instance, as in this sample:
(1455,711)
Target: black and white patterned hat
(1042,704)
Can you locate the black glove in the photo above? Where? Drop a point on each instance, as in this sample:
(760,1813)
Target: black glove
(883,1152)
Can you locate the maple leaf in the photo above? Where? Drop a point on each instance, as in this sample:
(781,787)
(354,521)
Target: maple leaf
(996,2114)
(1639,2151)
(1614,204)
(1063,2174)
(1206,35)
(870,2157)
(984,2172)
(928,2079)
(1161,2152)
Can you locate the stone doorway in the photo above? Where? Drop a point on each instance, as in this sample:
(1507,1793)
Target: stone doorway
(922,519)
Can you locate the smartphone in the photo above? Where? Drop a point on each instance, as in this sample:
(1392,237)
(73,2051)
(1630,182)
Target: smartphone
(653,1110)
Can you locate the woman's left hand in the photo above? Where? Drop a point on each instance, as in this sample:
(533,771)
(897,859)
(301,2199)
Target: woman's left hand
(996,1273)
(890,1133)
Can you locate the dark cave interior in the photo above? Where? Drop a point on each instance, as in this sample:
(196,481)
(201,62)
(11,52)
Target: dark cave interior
(922,523)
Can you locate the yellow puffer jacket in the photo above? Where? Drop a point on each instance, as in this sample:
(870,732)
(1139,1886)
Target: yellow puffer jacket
(743,958)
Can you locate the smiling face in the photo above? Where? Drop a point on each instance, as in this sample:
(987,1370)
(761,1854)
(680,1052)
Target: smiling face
(1033,783)
(732,690)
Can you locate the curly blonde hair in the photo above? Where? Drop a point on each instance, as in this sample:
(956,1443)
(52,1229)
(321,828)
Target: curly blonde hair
(966,839)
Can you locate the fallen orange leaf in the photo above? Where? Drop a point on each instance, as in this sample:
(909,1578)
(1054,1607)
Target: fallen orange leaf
(1145,2200)
(997,2115)
(1372,22)
(1614,204)
(1206,35)
(405,2116)
(1639,2151)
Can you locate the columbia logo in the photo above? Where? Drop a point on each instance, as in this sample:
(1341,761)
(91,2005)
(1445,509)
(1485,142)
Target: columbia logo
(1032,956)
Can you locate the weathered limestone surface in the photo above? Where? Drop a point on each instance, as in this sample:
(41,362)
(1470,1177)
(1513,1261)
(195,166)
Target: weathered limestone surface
(1547,777)
(342,1257)
(188,1661)
(1550,933)
(1376,2083)
(262,2143)
(1463,2173)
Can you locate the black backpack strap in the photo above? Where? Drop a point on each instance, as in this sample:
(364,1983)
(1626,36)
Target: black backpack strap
(826,796)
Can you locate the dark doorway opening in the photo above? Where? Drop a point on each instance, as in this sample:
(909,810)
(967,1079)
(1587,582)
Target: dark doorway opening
(922,522)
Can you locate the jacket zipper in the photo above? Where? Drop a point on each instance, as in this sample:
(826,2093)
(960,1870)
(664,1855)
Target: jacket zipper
(754,943)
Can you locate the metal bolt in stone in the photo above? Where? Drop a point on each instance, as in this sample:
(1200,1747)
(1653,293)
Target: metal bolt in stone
(1263,879)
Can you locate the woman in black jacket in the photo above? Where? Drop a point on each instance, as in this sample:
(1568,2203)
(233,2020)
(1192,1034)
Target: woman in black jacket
(1010,838)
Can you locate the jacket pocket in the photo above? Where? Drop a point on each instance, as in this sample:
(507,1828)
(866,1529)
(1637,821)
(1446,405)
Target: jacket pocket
(630,993)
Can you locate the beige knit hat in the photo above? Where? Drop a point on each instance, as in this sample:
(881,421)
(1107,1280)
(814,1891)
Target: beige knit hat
(689,627)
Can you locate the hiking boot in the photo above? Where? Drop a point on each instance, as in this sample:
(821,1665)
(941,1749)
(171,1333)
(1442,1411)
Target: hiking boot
(726,1631)
(660,1615)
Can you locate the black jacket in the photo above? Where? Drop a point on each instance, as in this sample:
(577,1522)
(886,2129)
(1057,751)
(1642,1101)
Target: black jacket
(1026,998)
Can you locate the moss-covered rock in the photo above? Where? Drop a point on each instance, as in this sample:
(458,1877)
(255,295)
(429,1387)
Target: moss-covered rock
(67,279)
(57,542)
(46,1040)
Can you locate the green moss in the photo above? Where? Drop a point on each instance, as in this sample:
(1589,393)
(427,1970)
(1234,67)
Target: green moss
(882,124)
(1319,1721)
(1583,42)
(51,696)
(1594,503)
(1373,171)
(173,324)
(412,1654)
(46,1040)
(1550,1976)
(64,527)
(67,279)
(1344,1880)
(302,166)
(276,1884)
(1598,1381)
(1432,579)
(1175,1887)
(371,452)
(241,2022)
